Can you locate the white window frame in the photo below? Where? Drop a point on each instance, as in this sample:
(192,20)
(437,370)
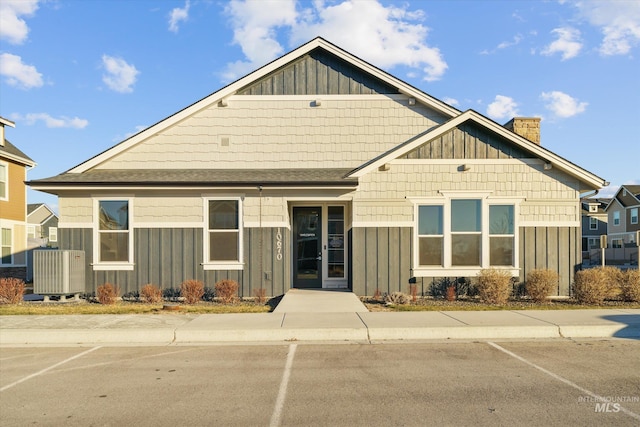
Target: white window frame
(617,243)
(207,264)
(53,234)
(593,223)
(31,231)
(112,265)
(633,213)
(616,217)
(593,243)
(2,245)
(464,271)
(5,179)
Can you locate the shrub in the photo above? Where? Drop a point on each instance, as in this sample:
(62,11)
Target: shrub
(192,291)
(151,294)
(494,286)
(613,277)
(209,294)
(107,293)
(631,285)
(462,287)
(590,286)
(260,295)
(541,283)
(398,298)
(11,290)
(226,290)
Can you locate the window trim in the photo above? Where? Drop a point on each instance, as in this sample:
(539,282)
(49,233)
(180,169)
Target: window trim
(616,217)
(631,215)
(112,265)
(11,246)
(5,198)
(593,223)
(53,237)
(222,265)
(461,271)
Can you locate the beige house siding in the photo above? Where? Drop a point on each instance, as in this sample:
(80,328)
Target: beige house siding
(273,131)
(75,210)
(167,210)
(547,196)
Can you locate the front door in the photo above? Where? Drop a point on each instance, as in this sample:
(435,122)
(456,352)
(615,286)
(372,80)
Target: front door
(307,247)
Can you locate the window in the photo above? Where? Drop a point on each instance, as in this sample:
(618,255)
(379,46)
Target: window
(430,237)
(224,234)
(31,231)
(616,243)
(594,242)
(616,218)
(501,235)
(464,234)
(4,181)
(633,213)
(113,231)
(5,246)
(336,238)
(53,234)
(593,223)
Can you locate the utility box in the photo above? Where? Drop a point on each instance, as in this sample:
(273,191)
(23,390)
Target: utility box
(58,273)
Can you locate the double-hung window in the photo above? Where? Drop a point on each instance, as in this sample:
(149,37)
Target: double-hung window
(616,218)
(114,238)
(5,246)
(501,235)
(4,181)
(430,235)
(593,223)
(633,213)
(223,240)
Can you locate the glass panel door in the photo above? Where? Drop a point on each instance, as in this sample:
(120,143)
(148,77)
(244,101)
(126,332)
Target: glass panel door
(307,262)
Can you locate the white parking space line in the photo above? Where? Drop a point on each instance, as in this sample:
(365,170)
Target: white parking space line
(282,393)
(28,377)
(595,396)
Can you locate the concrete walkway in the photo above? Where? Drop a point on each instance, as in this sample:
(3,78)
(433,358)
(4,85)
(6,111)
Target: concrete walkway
(358,327)
(320,301)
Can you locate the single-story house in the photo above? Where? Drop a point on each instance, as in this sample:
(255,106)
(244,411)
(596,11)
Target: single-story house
(320,170)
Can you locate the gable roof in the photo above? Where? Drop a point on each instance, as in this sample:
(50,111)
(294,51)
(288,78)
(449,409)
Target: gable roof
(242,83)
(11,152)
(470,115)
(632,197)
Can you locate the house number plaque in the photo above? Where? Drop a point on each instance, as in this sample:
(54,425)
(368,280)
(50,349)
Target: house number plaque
(279,245)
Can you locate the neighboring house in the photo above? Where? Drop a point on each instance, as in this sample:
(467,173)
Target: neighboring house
(594,225)
(320,170)
(13,206)
(42,226)
(624,225)
(42,231)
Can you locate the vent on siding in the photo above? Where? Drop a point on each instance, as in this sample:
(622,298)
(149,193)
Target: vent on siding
(224,141)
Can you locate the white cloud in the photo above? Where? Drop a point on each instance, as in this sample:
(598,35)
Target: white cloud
(563,105)
(19,74)
(516,40)
(619,22)
(503,107)
(51,122)
(128,135)
(385,36)
(120,76)
(450,101)
(12,27)
(178,15)
(568,43)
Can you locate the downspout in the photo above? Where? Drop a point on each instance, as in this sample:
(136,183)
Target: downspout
(260,239)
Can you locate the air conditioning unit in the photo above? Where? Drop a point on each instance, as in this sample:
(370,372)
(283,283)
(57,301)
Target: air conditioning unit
(59,272)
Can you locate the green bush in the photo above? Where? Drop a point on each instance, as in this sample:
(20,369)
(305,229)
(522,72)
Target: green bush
(541,284)
(494,286)
(631,285)
(192,291)
(226,290)
(107,293)
(11,290)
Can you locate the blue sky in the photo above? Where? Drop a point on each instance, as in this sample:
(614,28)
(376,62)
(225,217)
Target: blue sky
(78,77)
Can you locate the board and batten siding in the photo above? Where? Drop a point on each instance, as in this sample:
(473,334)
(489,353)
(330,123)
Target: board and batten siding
(382,258)
(318,73)
(168,256)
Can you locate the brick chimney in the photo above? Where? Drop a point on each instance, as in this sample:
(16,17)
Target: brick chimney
(526,127)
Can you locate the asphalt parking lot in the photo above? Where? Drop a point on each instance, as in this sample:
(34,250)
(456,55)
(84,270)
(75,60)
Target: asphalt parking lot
(545,382)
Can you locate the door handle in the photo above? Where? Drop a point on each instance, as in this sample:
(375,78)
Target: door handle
(319,258)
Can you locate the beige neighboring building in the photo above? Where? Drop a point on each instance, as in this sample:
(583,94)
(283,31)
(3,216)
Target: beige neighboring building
(13,206)
(320,170)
